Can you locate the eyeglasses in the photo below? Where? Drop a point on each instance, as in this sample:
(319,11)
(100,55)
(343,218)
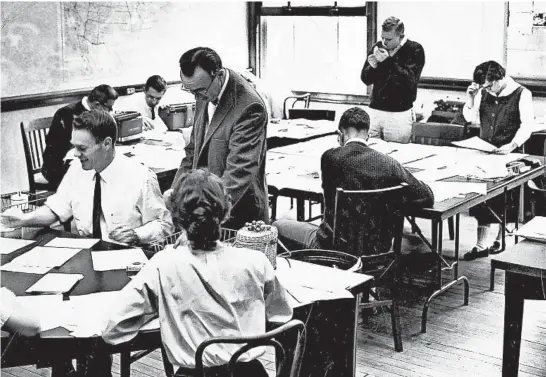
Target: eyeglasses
(153,98)
(201,92)
(105,107)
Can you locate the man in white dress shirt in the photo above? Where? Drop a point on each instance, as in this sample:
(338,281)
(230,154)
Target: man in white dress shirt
(147,103)
(125,205)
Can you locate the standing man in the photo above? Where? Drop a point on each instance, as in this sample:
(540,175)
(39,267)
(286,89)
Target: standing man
(229,133)
(147,103)
(58,138)
(394,68)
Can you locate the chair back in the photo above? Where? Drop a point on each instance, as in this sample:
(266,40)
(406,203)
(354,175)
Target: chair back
(366,221)
(34,134)
(268,339)
(328,258)
(305,98)
(437,133)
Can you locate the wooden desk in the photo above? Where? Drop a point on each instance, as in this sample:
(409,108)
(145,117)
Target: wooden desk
(525,266)
(331,324)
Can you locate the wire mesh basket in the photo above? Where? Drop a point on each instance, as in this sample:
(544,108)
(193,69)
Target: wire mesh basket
(227,236)
(34,201)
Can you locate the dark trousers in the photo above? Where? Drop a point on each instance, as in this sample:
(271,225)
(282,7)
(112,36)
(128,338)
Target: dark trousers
(251,369)
(98,364)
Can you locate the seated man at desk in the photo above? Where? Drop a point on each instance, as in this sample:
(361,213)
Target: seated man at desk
(355,166)
(60,131)
(504,110)
(16,318)
(147,103)
(110,196)
(202,289)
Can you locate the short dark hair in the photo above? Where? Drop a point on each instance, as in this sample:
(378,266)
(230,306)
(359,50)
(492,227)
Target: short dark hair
(102,94)
(156,82)
(100,123)
(488,71)
(199,204)
(393,23)
(204,57)
(356,118)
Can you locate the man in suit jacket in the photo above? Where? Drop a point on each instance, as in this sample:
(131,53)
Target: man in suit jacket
(229,133)
(58,144)
(355,166)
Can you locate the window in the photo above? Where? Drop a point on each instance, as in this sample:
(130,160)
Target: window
(313,48)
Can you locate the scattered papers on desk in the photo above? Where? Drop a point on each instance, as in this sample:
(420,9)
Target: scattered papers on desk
(433,175)
(40,260)
(447,190)
(49,306)
(55,283)
(73,243)
(300,128)
(534,230)
(9,245)
(475,143)
(88,314)
(117,259)
(5,229)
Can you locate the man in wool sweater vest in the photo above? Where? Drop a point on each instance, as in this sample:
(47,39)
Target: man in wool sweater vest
(393,67)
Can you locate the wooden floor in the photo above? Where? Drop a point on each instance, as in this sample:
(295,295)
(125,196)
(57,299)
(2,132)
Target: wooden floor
(460,341)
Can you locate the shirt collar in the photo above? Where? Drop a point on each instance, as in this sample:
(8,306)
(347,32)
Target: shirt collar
(112,170)
(510,87)
(85,103)
(402,43)
(223,87)
(357,140)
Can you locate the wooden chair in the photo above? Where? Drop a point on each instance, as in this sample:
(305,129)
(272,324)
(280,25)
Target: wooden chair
(441,134)
(349,235)
(294,326)
(305,98)
(34,134)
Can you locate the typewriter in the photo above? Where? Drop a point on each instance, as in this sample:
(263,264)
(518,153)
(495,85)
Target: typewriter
(129,126)
(178,115)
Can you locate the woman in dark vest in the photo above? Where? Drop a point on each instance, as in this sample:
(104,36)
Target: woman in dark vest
(504,110)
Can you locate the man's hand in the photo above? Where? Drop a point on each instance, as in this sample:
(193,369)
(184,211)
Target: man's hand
(124,235)
(147,123)
(372,60)
(381,54)
(12,218)
(505,149)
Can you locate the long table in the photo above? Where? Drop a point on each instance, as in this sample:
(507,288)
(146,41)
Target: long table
(525,266)
(296,172)
(331,322)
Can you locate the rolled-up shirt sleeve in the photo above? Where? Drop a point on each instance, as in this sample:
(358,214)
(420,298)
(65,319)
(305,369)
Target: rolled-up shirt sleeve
(277,308)
(60,203)
(527,118)
(471,114)
(156,218)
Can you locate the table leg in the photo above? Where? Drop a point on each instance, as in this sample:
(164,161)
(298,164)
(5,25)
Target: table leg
(125,364)
(513,317)
(300,209)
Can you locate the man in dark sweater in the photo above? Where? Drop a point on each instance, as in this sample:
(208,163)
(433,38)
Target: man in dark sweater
(58,144)
(394,68)
(355,166)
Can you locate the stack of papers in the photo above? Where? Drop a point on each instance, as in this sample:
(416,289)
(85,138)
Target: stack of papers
(73,243)
(117,259)
(55,283)
(447,190)
(9,245)
(40,260)
(534,230)
(475,143)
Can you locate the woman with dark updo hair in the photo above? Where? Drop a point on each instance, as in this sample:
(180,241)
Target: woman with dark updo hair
(202,288)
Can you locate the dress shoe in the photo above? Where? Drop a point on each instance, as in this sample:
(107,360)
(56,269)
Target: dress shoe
(475,253)
(495,248)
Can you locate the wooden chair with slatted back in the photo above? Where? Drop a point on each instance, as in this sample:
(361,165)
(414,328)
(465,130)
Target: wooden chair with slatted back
(352,209)
(441,134)
(34,134)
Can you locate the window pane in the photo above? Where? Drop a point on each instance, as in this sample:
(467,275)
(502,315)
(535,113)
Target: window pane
(526,45)
(322,54)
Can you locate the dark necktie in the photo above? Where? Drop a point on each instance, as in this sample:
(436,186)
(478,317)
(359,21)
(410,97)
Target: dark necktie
(153,113)
(97,208)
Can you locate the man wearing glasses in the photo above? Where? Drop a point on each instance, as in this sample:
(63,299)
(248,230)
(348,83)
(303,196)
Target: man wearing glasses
(229,133)
(58,144)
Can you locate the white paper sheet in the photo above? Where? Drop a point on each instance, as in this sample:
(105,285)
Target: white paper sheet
(50,308)
(40,259)
(73,243)
(475,143)
(535,229)
(117,259)
(9,245)
(55,283)
(88,314)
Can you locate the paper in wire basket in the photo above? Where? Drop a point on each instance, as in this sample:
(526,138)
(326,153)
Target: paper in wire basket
(260,237)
